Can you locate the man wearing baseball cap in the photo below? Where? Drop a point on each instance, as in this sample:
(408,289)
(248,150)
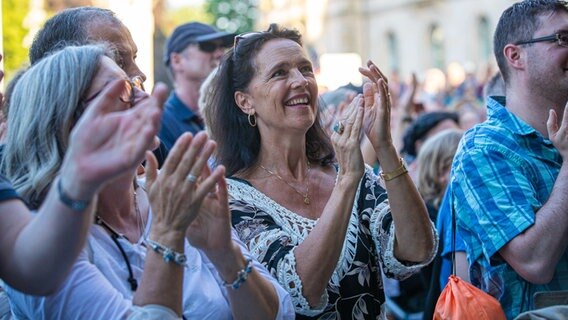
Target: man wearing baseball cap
(192,52)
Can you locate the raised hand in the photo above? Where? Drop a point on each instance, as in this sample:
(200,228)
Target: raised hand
(346,139)
(177,192)
(211,230)
(377,107)
(108,141)
(558,134)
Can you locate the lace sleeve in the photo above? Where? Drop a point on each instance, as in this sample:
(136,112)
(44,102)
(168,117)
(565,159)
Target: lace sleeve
(383,232)
(274,248)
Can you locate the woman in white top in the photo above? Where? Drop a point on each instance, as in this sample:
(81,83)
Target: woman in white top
(120,138)
(110,275)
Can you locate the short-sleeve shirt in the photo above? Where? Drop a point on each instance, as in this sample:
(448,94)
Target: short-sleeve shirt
(7,192)
(503,173)
(176,120)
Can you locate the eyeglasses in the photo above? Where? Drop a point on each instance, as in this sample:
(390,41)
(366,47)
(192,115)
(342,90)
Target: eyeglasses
(210,47)
(244,36)
(241,37)
(561,38)
(129,93)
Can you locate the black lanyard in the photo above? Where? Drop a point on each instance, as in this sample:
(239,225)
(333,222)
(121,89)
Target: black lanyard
(115,236)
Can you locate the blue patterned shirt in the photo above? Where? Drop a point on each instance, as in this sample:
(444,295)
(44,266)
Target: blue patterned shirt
(502,174)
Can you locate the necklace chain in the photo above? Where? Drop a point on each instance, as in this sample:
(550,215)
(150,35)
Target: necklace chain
(306,195)
(140,224)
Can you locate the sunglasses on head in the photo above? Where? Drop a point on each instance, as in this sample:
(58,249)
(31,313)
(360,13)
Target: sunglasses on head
(211,46)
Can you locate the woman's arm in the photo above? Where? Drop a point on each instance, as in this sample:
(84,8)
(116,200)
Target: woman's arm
(211,233)
(175,200)
(103,144)
(414,241)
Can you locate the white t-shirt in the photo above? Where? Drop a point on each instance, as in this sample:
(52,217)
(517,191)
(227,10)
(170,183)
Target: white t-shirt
(97,286)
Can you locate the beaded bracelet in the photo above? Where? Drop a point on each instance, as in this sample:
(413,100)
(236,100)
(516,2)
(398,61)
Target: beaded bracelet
(168,254)
(241,276)
(77,205)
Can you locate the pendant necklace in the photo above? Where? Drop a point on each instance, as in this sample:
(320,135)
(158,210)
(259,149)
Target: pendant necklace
(306,195)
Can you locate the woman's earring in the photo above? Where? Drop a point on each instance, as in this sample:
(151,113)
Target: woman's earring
(252,120)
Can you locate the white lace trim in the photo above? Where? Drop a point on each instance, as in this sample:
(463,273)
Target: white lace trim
(391,265)
(297,229)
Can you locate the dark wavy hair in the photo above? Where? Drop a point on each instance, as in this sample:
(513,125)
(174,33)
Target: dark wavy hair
(238,142)
(519,22)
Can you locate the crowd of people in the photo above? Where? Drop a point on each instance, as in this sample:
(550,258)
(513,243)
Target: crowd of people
(248,194)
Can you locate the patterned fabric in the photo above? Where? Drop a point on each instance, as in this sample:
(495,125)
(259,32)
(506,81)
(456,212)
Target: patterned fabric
(503,173)
(355,290)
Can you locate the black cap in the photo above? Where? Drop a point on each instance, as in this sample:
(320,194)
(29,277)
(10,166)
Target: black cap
(194,32)
(419,129)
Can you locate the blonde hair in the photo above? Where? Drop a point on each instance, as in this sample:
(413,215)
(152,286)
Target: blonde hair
(434,159)
(205,91)
(45,105)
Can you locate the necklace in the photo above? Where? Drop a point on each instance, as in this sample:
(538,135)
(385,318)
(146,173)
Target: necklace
(115,235)
(140,224)
(306,195)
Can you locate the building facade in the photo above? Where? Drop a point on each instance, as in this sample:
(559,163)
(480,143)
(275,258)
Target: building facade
(402,35)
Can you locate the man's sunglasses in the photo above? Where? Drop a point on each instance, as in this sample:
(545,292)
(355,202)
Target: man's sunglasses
(210,47)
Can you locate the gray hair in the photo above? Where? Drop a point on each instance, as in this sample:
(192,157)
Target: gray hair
(68,27)
(45,105)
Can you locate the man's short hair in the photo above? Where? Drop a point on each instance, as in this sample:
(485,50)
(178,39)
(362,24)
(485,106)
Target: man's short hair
(68,27)
(519,22)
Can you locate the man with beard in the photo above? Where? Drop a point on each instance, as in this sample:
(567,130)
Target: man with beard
(509,182)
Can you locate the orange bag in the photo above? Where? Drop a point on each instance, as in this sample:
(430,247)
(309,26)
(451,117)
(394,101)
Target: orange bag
(462,301)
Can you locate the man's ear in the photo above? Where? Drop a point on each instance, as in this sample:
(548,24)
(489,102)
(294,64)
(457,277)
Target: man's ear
(515,56)
(175,59)
(243,101)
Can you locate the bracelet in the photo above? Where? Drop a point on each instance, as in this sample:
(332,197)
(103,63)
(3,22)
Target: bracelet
(241,276)
(168,254)
(77,205)
(387,176)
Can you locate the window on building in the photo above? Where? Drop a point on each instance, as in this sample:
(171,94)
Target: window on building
(392,42)
(437,46)
(484,39)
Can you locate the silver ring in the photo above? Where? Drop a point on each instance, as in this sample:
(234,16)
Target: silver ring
(191,178)
(338,127)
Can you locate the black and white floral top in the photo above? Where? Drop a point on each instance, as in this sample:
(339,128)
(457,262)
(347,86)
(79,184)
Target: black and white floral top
(355,290)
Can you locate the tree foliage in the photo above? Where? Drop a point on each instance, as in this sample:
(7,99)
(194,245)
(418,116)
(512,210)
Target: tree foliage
(181,15)
(234,16)
(15,52)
